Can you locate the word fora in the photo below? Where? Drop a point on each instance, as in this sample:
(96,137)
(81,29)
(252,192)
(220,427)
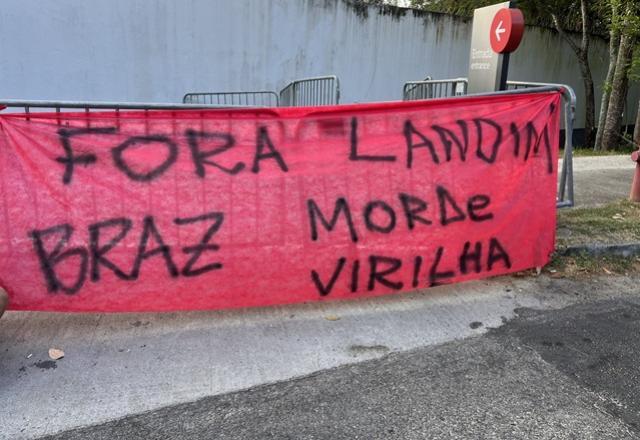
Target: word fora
(264,150)
(206,149)
(104,236)
(473,258)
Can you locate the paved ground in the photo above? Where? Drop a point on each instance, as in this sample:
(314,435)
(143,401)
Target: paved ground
(119,365)
(602,179)
(570,373)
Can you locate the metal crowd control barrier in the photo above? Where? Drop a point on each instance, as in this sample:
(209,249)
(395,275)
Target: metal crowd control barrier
(87,106)
(321,90)
(442,88)
(565,196)
(565,187)
(413,90)
(262,98)
(59,107)
(434,88)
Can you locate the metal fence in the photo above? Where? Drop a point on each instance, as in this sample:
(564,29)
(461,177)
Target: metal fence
(29,107)
(434,88)
(321,90)
(442,88)
(262,98)
(565,186)
(58,106)
(326,91)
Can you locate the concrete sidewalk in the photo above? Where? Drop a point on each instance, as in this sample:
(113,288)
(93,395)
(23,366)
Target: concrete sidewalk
(561,374)
(121,364)
(601,179)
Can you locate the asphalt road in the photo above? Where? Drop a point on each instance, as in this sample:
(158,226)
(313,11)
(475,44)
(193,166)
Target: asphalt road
(568,373)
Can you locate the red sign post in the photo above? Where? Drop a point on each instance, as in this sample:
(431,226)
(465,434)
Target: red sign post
(497,31)
(506,31)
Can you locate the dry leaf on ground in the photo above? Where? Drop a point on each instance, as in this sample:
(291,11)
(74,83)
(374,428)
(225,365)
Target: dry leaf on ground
(56,353)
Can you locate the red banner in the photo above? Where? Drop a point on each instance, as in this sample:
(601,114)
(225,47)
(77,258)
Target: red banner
(161,210)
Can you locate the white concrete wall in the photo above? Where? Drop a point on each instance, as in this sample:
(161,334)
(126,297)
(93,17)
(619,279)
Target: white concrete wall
(143,50)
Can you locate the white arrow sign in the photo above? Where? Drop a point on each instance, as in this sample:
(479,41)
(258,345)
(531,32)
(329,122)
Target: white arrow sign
(500,30)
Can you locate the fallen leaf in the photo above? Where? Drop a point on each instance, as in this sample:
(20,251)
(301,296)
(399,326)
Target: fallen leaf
(607,271)
(332,318)
(56,353)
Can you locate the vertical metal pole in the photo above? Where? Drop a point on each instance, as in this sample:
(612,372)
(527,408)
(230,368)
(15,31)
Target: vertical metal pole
(565,190)
(568,149)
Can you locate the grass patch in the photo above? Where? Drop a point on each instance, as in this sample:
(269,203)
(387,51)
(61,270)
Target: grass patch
(617,222)
(587,265)
(588,152)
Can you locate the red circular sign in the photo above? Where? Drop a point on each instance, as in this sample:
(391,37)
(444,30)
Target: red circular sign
(506,30)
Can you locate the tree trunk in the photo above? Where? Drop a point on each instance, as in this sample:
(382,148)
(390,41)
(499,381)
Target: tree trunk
(625,87)
(582,53)
(618,94)
(636,130)
(583,59)
(614,42)
(589,104)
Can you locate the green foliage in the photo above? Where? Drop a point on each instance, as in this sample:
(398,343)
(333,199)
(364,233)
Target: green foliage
(634,69)
(537,12)
(627,22)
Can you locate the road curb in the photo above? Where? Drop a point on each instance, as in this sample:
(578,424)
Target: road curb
(601,250)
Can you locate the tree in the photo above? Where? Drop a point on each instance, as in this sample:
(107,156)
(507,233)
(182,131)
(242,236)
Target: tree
(618,94)
(582,52)
(614,43)
(634,75)
(627,26)
(636,130)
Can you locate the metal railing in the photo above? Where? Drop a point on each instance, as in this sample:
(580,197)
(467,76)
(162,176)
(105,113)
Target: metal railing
(565,186)
(565,197)
(321,90)
(414,90)
(434,88)
(443,88)
(33,107)
(261,98)
(59,106)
